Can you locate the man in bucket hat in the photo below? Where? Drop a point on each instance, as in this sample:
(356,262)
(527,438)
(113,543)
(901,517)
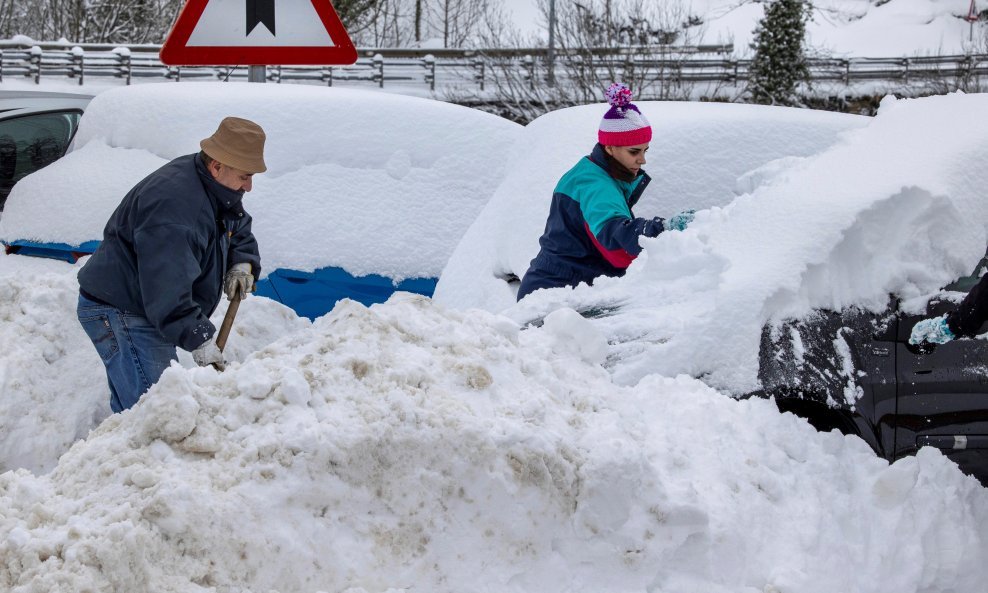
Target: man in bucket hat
(177,241)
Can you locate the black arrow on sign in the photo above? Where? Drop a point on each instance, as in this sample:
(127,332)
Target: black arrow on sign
(260,11)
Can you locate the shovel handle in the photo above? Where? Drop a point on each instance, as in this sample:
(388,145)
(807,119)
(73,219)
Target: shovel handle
(231,313)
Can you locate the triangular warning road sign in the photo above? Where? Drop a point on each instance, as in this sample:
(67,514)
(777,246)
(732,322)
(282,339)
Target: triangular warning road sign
(258,33)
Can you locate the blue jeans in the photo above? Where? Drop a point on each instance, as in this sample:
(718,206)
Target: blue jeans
(133,351)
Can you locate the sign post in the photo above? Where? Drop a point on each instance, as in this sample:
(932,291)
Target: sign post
(972,17)
(258,33)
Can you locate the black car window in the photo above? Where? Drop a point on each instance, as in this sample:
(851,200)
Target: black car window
(966,283)
(31,142)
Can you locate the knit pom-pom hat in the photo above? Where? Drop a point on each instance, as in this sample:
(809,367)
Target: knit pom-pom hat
(623,124)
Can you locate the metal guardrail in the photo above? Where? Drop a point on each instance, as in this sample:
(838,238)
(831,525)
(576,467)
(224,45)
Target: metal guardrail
(473,67)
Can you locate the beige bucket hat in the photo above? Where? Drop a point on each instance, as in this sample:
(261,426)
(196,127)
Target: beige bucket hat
(237,143)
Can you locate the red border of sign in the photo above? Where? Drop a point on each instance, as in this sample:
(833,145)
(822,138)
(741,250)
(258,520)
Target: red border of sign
(176,52)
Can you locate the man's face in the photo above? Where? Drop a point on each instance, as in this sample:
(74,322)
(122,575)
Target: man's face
(631,157)
(231,178)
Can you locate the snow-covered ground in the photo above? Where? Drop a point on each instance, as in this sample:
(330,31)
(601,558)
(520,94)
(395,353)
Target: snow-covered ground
(424,445)
(410,447)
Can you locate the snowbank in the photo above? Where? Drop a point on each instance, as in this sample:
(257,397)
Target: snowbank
(406,447)
(53,383)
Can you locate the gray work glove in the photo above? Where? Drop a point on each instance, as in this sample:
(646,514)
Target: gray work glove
(238,278)
(209,354)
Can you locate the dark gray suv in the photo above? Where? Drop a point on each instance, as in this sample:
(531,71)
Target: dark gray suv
(855,371)
(36,129)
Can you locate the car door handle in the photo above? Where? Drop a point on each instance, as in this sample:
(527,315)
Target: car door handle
(954,441)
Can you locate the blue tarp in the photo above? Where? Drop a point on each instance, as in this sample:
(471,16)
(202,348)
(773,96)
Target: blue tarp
(62,251)
(312,294)
(309,294)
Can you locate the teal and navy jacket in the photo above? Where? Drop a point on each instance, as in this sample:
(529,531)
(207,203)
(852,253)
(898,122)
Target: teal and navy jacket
(591,230)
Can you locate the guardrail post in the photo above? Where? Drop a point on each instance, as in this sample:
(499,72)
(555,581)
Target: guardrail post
(905,73)
(528,62)
(429,63)
(847,71)
(480,65)
(326,74)
(78,64)
(378,61)
(34,64)
(123,61)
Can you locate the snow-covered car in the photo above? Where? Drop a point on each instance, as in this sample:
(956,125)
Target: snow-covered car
(702,155)
(36,128)
(366,192)
(803,287)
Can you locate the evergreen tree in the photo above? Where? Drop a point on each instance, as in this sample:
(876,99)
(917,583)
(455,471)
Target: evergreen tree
(779,64)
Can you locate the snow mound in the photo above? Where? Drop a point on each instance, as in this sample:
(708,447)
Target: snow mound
(406,447)
(53,382)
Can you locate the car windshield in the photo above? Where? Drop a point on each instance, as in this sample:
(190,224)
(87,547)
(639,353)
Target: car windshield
(966,283)
(31,142)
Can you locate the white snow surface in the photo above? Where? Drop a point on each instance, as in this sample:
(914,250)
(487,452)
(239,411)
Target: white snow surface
(429,445)
(408,447)
(345,168)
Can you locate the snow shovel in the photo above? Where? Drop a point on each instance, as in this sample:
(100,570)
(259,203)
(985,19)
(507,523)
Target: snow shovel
(227,325)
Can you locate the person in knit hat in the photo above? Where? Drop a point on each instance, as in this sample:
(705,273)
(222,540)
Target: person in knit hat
(178,240)
(591,230)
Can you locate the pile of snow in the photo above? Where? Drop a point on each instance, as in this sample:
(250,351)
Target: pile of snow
(53,393)
(701,155)
(406,447)
(366,181)
(896,207)
(53,383)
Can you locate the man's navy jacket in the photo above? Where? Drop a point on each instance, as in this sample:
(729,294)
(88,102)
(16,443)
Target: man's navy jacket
(167,247)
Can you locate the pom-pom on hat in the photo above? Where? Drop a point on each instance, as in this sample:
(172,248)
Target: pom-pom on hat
(623,124)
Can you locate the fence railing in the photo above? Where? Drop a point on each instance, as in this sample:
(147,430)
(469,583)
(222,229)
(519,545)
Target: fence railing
(475,68)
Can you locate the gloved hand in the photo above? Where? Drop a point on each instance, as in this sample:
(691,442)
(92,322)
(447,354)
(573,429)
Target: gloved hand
(680,221)
(209,354)
(238,277)
(931,331)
